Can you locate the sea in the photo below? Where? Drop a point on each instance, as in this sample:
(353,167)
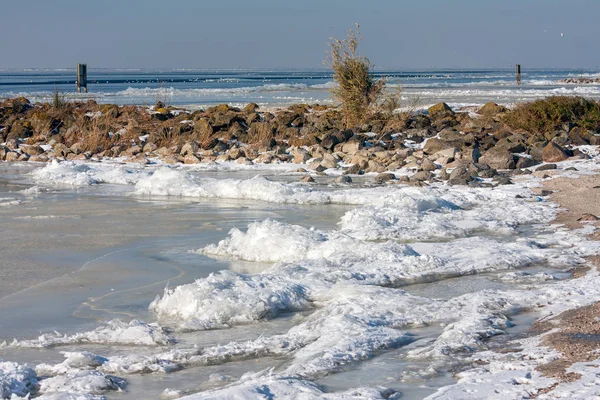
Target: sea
(222,280)
(197,88)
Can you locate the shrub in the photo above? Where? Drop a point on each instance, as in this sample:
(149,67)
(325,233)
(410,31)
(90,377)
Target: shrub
(356,89)
(59,99)
(547,115)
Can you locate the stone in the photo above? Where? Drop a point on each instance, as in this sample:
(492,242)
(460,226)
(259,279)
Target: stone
(440,110)
(498,158)
(149,148)
(191,159)
(422,176)
(38,158)
(385,177)
(33,150)
(236,153)
(244,161)
(554,153)
(428,165)
(352,147)
(460,176)
(546,167)
(435,145)
(503,180)
(189,148)
(12,156)
(315,163)
(491,109)
(525,162)
(12,144)
(300,156)
(343,179)
(307,179)
(353,169)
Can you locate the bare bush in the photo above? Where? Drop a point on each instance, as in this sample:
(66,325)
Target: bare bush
(355,86)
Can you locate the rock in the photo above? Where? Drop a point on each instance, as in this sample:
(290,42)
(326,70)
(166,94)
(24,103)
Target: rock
(588,217)
(38,158)
(546,167)
(189,148)
(440,110)
(460,176)
(250,108)
(33,150)
(329,141)
(244,161)
(315,163)
(351,148)
(422,176)
(525,162)
(236,153)
(503,180)
(191,159)
(76,148)
(300,155)
(428,165)
(554,153)
(491,109)
(444,175)
(343,179)
(23,157)
(384,177)
(12,144)
(171,159)
(435,145)
(149,147)
(12,156)
(307,179)
(498,158)
(374,166)
(353,169)
(133,150)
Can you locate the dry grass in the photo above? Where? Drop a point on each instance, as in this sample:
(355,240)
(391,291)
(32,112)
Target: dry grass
(356,89)
(547,115)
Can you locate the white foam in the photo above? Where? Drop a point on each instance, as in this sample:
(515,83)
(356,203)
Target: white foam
(83,174)
(116,331)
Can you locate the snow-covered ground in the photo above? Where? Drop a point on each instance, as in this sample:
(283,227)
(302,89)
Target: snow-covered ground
(348,294)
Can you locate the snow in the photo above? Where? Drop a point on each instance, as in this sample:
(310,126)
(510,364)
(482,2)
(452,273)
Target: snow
(113,332)
(352,286)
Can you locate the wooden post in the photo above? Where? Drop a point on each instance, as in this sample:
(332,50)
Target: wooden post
(518,74)
(82,77)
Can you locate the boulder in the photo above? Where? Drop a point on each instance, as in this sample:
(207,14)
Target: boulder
(33,150)
(428,165)
(498,158)
(189,148)
(353,169)
(307,179)
(300,155)
(422,176)
(12,156)
(440,110)
(435,145)
(343,179)
(491,109)
(525,162)
(554,153)
(385,177)
(546,167)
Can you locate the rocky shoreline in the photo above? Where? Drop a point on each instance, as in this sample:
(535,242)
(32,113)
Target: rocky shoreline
(437,144)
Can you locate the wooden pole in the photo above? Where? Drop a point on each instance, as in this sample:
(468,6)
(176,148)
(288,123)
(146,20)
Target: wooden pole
(82,77)
(518,74)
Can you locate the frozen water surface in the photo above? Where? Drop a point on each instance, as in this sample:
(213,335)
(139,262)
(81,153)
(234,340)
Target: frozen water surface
(156,282)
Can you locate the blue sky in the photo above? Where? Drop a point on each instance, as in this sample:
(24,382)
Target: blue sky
(294,34)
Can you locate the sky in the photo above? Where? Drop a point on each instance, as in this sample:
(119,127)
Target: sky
(400,34)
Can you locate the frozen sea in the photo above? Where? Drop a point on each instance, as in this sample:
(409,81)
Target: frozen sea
(123,281)
(198,88)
